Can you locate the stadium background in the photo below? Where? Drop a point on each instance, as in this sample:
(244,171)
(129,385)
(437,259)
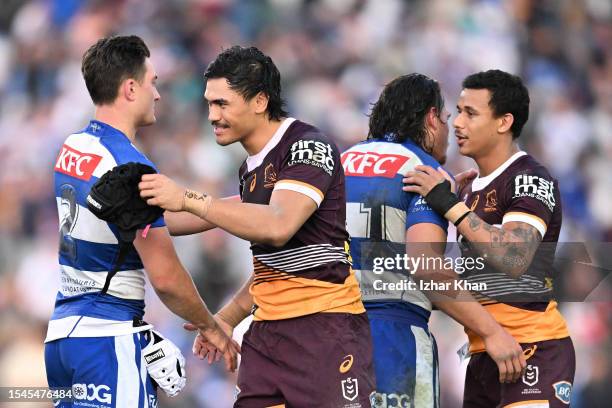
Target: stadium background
(334,57)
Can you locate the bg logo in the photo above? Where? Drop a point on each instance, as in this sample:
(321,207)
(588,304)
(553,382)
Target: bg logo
(563,391)
(379,400)
(92,392)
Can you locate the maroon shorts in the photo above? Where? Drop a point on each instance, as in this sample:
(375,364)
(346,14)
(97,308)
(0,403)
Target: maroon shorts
(546,383)
(322,360)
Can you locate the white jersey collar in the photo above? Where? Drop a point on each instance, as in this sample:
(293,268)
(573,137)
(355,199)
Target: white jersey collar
(481,182)
(256,160)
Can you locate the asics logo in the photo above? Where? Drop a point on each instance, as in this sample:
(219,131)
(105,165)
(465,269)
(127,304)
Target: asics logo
(346,364)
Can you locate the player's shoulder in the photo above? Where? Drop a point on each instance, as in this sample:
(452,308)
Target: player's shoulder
(124,151)
(305,144)
(420,155)
(528,165)
(82,156)
(300,131)
(526,172)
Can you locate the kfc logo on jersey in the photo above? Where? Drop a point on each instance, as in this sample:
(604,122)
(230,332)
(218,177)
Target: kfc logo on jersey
(371,164)
(76,164)
(314,153)
(536,187)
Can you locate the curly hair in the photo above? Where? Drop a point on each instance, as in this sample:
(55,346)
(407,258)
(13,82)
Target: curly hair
(248,72)
(401,109)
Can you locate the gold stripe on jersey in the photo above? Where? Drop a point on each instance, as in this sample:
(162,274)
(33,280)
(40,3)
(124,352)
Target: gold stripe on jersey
(285,297)
(527,404)
(526,326)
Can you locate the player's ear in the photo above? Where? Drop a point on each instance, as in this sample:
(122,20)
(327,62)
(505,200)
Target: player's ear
(430,118)
(261,102)
(128,89)
(505,123)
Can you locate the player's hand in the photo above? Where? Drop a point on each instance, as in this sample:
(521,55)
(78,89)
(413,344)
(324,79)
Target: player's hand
(160,190)
(424,179)
(212,343)
(507,354)
(464,178)
(203,348)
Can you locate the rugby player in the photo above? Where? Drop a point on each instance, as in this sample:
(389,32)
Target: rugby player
(309,344)
(512,214)
(95,337)
(408,127)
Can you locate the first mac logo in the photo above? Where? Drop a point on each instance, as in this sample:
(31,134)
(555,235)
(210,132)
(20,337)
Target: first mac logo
(76,164)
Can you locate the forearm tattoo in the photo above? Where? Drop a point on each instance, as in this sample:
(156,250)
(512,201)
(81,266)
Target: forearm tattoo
(509,250)
(195,195)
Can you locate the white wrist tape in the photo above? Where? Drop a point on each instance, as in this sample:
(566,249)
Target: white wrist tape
(165,363)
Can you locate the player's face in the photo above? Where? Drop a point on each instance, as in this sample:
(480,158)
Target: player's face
(147,95)
(475,126)
(232,117)
(441,136)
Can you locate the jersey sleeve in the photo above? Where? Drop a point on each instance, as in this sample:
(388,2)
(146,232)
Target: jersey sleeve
(125,153)
(309,167)
(419,212)
(532,199)
(417,209)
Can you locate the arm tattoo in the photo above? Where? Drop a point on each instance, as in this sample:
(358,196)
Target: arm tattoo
(195,195)
(474,221)
(510,250)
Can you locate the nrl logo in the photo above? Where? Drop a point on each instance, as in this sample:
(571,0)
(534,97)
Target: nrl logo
(350,389)
(530,377)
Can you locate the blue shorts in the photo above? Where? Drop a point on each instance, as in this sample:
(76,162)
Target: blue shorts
(102,371)
(405,356)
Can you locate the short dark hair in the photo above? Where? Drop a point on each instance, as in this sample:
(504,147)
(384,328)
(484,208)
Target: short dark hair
(508,95)
(401,109)
(248,72)
(109,62)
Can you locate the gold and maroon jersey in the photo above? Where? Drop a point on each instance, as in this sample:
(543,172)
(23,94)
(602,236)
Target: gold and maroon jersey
(312,272)
(520,190)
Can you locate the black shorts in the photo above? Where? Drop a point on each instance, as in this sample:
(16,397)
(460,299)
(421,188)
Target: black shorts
(323,360)
(547,383)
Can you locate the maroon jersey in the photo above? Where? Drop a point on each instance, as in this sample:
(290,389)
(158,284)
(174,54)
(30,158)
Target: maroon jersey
(311,273)
(520,190)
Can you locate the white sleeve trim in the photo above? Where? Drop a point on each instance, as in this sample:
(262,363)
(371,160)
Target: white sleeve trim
(529,404)
(300,188)
(532,220)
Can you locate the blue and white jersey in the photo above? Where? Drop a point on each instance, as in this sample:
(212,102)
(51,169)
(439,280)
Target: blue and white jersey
(378,210)
(89,246)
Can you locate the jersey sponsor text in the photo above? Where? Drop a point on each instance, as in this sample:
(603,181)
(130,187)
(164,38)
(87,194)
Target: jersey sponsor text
(76,164)
(371,164)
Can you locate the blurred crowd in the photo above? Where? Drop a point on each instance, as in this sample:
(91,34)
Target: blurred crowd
(334,57)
